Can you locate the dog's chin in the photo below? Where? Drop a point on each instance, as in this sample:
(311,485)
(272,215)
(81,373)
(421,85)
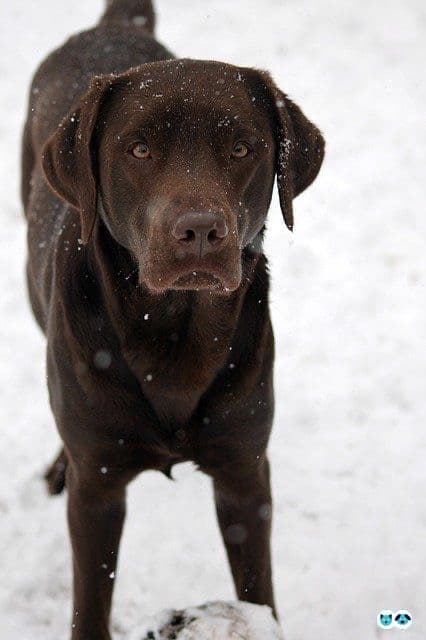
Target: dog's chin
(196,280)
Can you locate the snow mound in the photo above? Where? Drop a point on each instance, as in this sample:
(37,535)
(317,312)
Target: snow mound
(212,621)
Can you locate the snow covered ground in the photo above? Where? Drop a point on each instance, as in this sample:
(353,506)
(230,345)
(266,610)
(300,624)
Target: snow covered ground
(348,449)
(212,621)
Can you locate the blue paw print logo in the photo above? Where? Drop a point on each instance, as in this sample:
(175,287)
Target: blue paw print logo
(402,619)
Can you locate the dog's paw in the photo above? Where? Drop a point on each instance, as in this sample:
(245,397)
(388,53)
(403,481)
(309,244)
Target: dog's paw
(55,475)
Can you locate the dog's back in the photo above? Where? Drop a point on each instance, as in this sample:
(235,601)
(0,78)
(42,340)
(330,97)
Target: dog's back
(122,39)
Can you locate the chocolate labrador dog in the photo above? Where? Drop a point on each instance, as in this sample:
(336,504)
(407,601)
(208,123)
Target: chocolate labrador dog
(146,184)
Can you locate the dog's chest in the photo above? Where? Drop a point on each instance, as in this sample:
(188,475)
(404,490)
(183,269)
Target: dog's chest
(174,369)
(174,377)
(176,346)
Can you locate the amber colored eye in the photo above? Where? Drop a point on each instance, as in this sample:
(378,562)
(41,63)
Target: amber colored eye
(141,151)
(240,150)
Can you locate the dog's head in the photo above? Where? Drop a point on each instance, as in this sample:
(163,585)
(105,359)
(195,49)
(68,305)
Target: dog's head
(178,159)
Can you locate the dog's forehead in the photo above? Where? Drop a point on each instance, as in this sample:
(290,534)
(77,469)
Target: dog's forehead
(196,78)
(194,88)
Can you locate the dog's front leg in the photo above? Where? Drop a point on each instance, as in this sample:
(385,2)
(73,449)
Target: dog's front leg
(96,510)
(243,505)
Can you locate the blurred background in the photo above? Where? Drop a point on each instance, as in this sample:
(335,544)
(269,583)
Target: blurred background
(348,305)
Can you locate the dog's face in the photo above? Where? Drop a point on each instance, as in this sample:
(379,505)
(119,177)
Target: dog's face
(178,158)
(186,167)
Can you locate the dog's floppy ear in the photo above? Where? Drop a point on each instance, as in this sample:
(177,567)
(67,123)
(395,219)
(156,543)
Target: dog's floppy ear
(68,157)
(300,149)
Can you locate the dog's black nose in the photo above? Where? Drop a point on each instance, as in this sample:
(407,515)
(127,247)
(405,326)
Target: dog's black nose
(200,233)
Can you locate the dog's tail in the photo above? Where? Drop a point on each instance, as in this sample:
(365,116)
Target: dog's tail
(137,12)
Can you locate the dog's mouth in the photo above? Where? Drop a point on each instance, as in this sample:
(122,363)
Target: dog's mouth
(197,279)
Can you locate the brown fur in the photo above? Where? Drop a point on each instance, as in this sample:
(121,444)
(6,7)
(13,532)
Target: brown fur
(148,364)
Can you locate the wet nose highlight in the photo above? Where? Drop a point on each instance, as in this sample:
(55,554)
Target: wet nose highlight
(199,233)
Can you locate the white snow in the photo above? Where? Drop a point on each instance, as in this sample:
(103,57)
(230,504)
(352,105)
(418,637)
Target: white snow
(212,621)
(348,447)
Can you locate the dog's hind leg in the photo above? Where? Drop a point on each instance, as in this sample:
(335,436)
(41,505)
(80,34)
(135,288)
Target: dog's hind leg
(55,474)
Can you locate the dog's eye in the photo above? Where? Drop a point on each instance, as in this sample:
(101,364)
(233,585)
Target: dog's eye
(240,150)
(141,151)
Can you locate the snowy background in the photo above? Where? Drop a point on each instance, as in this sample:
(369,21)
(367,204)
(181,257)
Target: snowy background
(348,447)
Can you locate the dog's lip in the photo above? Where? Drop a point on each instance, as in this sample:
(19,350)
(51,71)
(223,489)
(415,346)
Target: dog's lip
(199,273)
(188,278)
(197,276)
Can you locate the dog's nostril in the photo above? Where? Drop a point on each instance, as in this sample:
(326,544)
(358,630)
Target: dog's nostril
(189,236)
(213,237)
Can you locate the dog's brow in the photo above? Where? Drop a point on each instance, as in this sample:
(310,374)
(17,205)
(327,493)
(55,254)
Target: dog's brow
(164,121)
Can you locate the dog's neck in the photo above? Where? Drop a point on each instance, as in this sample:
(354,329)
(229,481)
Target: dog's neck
(164,338)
